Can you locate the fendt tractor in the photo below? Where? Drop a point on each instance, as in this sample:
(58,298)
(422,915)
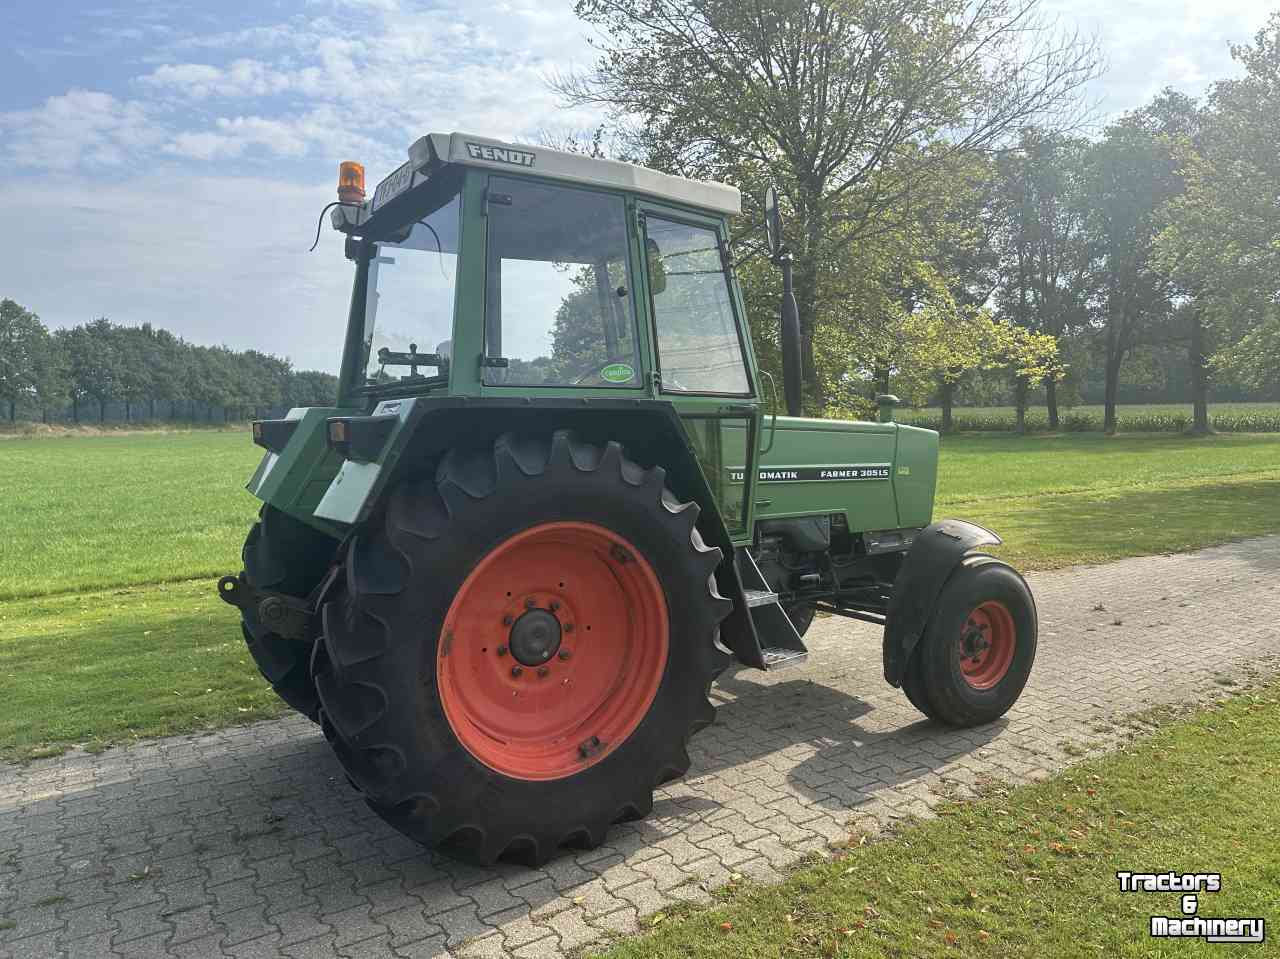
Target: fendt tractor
(555,500)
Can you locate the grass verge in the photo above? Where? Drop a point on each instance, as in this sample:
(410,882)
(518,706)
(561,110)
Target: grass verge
(109,667)
(1031,871)
(1100,526)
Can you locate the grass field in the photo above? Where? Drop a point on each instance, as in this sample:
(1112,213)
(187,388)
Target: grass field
(109,627)
(1032,871)
(93,512)
(1130,418)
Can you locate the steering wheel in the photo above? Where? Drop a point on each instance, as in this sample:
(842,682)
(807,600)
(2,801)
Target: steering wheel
(593,371)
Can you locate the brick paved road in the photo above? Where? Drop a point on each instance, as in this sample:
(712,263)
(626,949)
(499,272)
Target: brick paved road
(248,842)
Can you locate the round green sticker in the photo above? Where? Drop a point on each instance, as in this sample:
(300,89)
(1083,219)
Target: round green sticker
(617,373)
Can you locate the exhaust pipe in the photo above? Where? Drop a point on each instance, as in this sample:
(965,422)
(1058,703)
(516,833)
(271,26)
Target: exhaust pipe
(789,331)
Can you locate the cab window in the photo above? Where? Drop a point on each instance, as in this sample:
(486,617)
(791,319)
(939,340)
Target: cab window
(699,349)
(558,288)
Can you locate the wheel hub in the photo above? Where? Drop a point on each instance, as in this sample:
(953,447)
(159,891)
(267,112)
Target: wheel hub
(535,637)
(986,645)
(552,650)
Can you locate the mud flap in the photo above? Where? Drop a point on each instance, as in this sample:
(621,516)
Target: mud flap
(933,557)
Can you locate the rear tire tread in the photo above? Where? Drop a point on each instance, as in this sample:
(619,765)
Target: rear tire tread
(359,656)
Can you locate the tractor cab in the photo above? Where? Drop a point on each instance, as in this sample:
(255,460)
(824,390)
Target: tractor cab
(549,506)
(537,270)
(493,271)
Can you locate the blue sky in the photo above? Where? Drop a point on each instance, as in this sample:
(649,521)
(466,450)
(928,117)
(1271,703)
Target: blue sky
(165,161)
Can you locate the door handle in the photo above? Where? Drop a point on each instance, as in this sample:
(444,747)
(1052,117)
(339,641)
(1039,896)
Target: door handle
(773,422)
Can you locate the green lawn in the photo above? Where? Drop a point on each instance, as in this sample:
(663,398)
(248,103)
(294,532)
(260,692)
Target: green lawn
(91,512)
(109,627)
(1085,498)
(1032,871)
(979,469)
(106,667)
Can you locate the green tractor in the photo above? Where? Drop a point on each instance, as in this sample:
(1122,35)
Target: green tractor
(553,503)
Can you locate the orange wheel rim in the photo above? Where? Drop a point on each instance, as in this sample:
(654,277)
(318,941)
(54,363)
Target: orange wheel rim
(986,644)
(552,650)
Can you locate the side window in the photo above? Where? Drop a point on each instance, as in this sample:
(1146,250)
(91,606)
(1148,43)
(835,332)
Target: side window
(699,350)
(558,289)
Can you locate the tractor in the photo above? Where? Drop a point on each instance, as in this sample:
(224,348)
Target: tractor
(556,497)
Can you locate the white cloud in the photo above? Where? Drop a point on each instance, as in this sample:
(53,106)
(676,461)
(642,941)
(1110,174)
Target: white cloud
(79,127)
(240,78)
(215,259)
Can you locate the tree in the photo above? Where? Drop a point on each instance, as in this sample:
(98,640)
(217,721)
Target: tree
(1046,256)
(93,364)
(21,345)
(169,357)
(311,388)
(1131,175)
(135,363)
(832,99)
(52,375)
(1222,239)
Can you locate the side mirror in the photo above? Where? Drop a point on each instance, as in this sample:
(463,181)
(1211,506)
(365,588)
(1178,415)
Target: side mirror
(772,220)
(657,272)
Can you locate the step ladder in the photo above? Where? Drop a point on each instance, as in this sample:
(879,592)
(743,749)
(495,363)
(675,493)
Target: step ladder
(779,642)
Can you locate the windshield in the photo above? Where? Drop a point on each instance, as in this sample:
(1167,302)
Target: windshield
(409,305)
(558,298)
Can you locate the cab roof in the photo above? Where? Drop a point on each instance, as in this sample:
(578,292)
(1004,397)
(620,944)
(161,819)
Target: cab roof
(436,151)
(471,150)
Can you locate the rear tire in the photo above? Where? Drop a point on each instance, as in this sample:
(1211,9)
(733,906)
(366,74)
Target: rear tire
(976,654)
(284,555)
(412,682)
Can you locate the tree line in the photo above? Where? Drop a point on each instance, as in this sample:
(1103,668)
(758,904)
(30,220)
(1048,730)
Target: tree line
(143,371)
(956,233)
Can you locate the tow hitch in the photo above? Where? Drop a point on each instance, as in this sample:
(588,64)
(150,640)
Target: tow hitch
(291,617)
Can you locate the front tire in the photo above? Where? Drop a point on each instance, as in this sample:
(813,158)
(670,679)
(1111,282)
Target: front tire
(441,676)
(976,654)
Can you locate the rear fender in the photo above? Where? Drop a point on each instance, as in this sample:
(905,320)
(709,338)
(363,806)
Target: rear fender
(933,557)
(294,477)
(649,430)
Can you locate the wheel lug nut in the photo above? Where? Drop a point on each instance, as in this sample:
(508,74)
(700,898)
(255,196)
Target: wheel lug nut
(502,650)
(507,620)
(530,603)
(516,671)
(565,654)
(555,604)
(568,627)
(542,672)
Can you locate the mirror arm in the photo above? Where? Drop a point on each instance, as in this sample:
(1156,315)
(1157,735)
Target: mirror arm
(750,253)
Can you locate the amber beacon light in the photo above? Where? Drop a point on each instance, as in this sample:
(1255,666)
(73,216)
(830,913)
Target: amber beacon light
(350,182)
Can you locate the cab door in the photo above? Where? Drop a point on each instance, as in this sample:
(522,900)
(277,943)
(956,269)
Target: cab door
(701,360)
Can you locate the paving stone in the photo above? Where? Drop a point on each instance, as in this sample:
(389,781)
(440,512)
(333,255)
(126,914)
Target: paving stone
(408,925)
(794,763)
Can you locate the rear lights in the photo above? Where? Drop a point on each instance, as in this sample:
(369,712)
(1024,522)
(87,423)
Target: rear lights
(273,435)
(360,438)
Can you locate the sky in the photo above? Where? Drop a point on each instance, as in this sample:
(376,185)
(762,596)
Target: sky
(165,162)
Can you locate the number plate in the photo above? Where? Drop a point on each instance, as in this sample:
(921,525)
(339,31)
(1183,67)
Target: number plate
(390,188)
